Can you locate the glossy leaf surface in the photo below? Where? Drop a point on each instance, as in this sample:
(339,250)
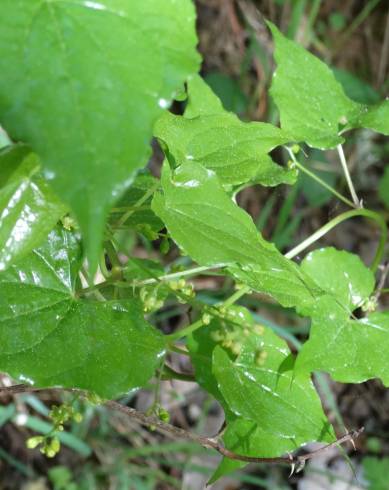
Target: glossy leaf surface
(375,117)
(202,101)
(194,204)
(351,351)
(260,386)
(29,209)
(244,364)
(138,216)
(236,151)
(312,103)
(341,274)
(50,338)
(86,103)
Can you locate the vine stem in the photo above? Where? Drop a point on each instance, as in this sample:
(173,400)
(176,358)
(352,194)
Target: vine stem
(152,280)
(318,179)
(295,461)
(184,332)
(138,203)
(176,275)
(348,176)
(339,219)
(234,297)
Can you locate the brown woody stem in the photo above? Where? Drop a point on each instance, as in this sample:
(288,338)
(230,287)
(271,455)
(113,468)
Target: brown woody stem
(177,432)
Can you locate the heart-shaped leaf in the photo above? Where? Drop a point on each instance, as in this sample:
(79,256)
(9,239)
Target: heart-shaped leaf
(51,338)
(83,83)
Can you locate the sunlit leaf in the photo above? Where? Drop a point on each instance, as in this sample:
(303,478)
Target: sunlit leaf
(341,274)
(350,350)
(83,83)
(207,135)
(51,338)
(313,106)
(212,229)
(29,209)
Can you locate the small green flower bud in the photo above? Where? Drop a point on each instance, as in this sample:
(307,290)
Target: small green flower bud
(206,318)
(173,285)
(370,304)
(77,417)
(52,447)
(33,442)
(163,415)
(68,223)
(181,284)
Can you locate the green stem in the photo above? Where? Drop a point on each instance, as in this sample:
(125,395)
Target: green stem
(339,219)
(350,184)
(116,272)
(234,297)
(184,332)
(138,203)
(112,254)
(318,179)
(129,208)
(172,276)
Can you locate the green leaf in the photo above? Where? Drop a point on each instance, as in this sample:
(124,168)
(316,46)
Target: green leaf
(374,117)
(383,188)
(247,438)
(260,386)
(29,209)
(201,345)
(271,406)
(49,337)
(341,274)
(280,278)
(237,341)
(153,295)
(313,106)
(137,269)
(202,100)
(312,103)
(236,151)
(10,158)
(194,205)
(376,472)
(212,229)
(84,83)
(142,218)
(351,351)
(4,139)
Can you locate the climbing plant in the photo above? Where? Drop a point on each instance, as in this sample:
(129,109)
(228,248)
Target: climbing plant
(84,87)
